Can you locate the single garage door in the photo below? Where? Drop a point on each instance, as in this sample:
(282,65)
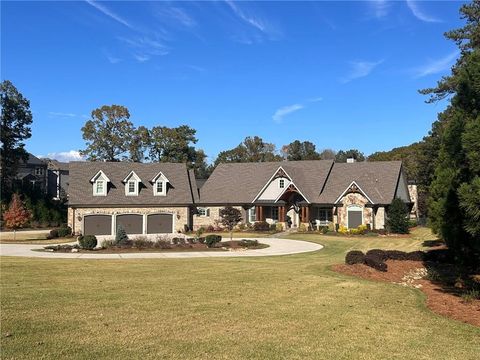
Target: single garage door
(354,218)
(97,225)
(160,224)
(132,223)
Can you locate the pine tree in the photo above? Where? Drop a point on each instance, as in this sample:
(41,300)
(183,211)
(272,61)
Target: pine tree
(397,221)
(121,238)
(17,216)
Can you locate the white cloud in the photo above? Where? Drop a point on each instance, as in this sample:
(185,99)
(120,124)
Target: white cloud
(315,99)
(284,111)
(419,14)
(381,8)
(61,114)
(360,69)
(250,19)
(109,13)
(144,47)
(436,66)
(179,15)
(113,59)
(65,156)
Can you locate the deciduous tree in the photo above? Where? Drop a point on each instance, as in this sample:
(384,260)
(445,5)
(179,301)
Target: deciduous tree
(297,150)
(230,218)
(252,149)
(17,215)
(342,155)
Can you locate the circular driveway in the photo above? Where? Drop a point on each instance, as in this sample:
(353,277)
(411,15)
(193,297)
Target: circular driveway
(277,246)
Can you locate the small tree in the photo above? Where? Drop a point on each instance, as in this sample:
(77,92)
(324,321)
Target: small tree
(17,216)
(121,238)
(397,221)
(230,217)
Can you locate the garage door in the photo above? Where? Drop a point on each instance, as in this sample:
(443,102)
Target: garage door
(97,225)
(132,223)
(160,224)
(354,218)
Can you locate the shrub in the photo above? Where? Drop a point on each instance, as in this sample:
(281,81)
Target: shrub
(261,226)
(397,221)
(121,237)
(162,244)
(191,240)
(396,255)
(53,234)
(178,241)
(142,242)
(278,227)
(377,253)
(302,227)
(412,223)
(210,228)
(273,227)
(355,257)
(416,255)
(201,240)
(342,230)
(65,231)
(212,240)
(376,263)
(88,242)
(440,255)
(324,229)
(248,243)
(107,244)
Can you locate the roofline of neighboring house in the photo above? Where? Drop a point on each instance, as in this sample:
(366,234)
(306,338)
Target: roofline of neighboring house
(128,205)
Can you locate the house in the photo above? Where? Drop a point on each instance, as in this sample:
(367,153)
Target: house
(159,198)
(145,199)
(57,179)
(313,193)
(33,172)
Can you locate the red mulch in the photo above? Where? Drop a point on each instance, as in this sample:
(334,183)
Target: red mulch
(442,300)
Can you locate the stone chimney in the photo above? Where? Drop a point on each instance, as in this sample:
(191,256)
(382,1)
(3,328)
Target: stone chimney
(350,160)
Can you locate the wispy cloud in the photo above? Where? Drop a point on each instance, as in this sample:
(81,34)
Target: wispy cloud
(436,66)
(62,114)
(380,8)
(109,13)
(359,69)
(419,13)
(178,15)
(65,156)
(144,47)
(284,111)
(250,19)
(315,99)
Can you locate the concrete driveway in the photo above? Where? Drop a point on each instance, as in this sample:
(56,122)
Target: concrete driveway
(277,246)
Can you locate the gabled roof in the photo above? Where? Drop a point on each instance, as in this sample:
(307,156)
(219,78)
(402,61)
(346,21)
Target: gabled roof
(132,173)
(80,187)
(98,174)
(239,183)
(377,179)
(159,174)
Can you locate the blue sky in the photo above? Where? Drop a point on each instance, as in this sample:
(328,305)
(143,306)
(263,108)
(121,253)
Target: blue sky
(340,74)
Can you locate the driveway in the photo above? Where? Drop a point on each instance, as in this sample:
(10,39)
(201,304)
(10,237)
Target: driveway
(277,246)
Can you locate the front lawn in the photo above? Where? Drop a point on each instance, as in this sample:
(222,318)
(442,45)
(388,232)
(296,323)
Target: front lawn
(229,308)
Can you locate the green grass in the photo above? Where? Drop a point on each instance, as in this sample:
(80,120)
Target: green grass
(226,308)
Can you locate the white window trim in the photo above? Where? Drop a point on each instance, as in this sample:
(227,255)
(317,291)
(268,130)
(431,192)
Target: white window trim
(104,187)
(252,214)
(135,188)
(164,188)
(203,209)
(132,176)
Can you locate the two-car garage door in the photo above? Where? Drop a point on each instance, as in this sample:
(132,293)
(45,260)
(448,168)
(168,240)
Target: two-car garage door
(132,223)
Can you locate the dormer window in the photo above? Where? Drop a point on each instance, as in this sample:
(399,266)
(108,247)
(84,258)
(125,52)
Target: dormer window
(132,183)
(100,182)
(159,183)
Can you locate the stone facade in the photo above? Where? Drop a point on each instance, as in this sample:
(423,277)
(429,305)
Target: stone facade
(213,219)
(413,191)
(75,215)
(358,200)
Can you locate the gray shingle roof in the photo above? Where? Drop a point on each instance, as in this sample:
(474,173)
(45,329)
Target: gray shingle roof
(239,183)
(378,179)
(179,192)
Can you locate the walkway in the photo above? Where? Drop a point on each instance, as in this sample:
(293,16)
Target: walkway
(276,247)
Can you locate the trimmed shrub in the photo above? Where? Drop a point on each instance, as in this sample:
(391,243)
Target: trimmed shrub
(178,241)
(324,229)
(88,242)
(121,237)
(355,257)
(142,242)
(395,255)
(416,256)
(65,231)
(278,227)
(53,234)
(261,226)
(162,244)
(441,255)
(374,262)
(377,253)
(273,227)
(248,243)
(397,217)
(212,240)
(107,244)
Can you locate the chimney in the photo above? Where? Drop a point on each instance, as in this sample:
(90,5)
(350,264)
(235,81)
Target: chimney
(350,160)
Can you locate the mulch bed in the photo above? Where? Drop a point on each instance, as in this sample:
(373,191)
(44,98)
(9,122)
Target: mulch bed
(441,299)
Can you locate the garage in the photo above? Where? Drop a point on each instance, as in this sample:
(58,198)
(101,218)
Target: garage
(97,225)
(355,217)
(160,224)
(132,223)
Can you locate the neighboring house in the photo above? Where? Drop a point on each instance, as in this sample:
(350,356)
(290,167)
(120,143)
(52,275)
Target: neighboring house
(57,179)
(313,193)
(33,173)
(152,198)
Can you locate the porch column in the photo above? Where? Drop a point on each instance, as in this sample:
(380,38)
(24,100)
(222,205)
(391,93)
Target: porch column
(257,213)
(302,214)
(281,217)
(307,214)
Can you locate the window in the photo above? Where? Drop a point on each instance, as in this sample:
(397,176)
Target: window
(203,212)
(131,187)
(324,216)
(38,171)
(274,213)
(281,183)
(160,188)
(99,187)
(252,215)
